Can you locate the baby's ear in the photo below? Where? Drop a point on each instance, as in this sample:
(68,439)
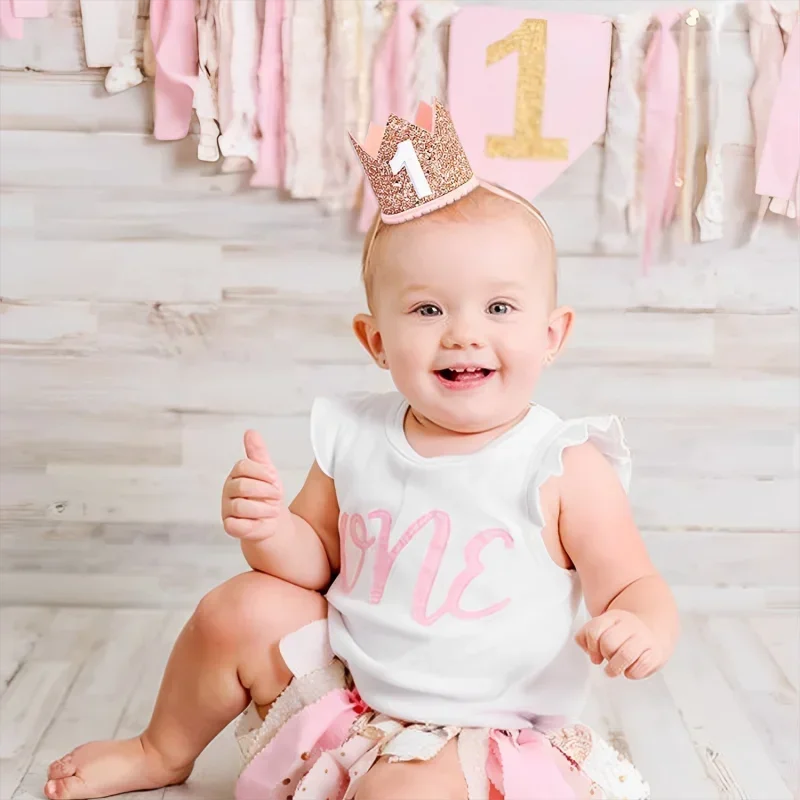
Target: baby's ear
(558,330)
(367,333)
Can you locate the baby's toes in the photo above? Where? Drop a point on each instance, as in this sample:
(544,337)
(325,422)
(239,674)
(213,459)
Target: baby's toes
(65,788)
(63,768)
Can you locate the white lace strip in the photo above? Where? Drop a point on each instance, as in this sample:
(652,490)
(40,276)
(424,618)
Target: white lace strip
(710,212)
(304,49)
(620,217)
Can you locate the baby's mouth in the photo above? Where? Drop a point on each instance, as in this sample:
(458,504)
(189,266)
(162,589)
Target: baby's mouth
(466,375)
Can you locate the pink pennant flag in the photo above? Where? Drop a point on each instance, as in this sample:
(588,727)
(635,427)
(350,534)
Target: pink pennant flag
(662,75)
(527,91)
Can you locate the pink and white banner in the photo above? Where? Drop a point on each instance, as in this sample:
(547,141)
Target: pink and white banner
(527,91)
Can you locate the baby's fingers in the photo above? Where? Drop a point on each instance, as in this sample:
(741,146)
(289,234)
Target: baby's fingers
(625,656)
(251,509)
(245,468)
(250,529)
(588,637)
(240,528)
(644,666)
(252,488)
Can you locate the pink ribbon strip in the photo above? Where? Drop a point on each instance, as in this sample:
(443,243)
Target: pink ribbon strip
(662,75)
(13,12)
(275,772)
(271,110)
(11,26)
(521,767)
(173,30)
(30,9)
(780,157)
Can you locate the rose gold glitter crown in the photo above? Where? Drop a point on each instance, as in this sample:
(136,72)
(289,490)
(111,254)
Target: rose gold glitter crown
(415,168)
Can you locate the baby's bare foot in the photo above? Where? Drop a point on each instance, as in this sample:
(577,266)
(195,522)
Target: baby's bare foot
(100,769)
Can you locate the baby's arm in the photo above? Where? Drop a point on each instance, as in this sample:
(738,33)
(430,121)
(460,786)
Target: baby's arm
(635,620)
(298,543)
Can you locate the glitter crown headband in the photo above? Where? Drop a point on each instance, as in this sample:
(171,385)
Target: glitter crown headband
(415,168)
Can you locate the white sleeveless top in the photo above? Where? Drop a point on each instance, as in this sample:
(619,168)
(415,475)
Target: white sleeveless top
(448,609)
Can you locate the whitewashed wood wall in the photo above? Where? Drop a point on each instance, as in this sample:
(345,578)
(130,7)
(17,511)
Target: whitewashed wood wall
(152,310)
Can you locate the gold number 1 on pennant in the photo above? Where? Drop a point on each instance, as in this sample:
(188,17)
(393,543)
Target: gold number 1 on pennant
(529,41)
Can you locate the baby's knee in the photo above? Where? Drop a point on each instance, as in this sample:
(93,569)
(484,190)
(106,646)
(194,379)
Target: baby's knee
(438,779)
(398,789)
(255,606)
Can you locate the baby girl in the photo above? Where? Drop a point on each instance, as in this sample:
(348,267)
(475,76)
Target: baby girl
(477,553)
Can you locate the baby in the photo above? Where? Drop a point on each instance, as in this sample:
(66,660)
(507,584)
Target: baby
(461,533)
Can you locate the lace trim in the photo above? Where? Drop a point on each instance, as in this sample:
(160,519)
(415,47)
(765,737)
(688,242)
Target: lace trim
(613,773)
(619,215)
(375,735)
(304,51)
(473,752)
(711,211)
(205,93)
(346,62)
(253,734)
(429,77)
(604,432)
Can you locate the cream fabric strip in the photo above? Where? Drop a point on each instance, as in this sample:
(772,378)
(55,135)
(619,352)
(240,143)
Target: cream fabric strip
(238,141)
(375,20)
(348,66)
(689,133)
(619,214)
(473,753)
(429,75)
(111,39)
(148,54)
(205,92)
(224,26)
(711,210)
(304,53)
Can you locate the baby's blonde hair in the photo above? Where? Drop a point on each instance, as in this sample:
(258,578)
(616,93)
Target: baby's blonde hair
(485,200)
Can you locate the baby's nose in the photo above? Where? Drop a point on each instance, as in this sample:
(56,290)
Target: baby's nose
(462,333)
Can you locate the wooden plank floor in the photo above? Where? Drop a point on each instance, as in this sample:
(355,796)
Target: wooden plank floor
(721,721)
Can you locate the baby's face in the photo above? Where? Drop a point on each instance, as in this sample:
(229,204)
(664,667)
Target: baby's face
(462,316)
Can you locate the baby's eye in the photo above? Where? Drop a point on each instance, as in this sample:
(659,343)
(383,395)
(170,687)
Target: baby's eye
(428,310)
(499,308)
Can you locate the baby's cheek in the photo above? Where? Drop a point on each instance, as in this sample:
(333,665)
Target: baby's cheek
(526,356)
(410,345)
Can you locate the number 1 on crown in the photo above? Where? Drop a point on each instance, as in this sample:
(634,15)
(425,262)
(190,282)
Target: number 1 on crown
(405,157)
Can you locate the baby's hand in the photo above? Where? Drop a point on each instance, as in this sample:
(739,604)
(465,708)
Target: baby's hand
(624,641)
(252,495)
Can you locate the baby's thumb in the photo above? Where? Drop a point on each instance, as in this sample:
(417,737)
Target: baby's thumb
(255,449)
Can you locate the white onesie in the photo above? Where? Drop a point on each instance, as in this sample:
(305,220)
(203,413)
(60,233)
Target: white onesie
(448,608)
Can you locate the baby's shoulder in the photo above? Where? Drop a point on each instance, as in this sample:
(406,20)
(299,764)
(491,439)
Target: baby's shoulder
(338,423)
(581,444)
(355,408)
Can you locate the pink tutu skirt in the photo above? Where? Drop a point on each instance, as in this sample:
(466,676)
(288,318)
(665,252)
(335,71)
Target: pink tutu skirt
(319,739)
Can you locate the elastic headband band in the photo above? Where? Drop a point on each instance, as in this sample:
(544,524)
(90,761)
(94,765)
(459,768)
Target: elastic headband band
(491,187)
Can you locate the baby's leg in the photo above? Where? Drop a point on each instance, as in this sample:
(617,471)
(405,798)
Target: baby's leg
(227,654)
(440,778)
